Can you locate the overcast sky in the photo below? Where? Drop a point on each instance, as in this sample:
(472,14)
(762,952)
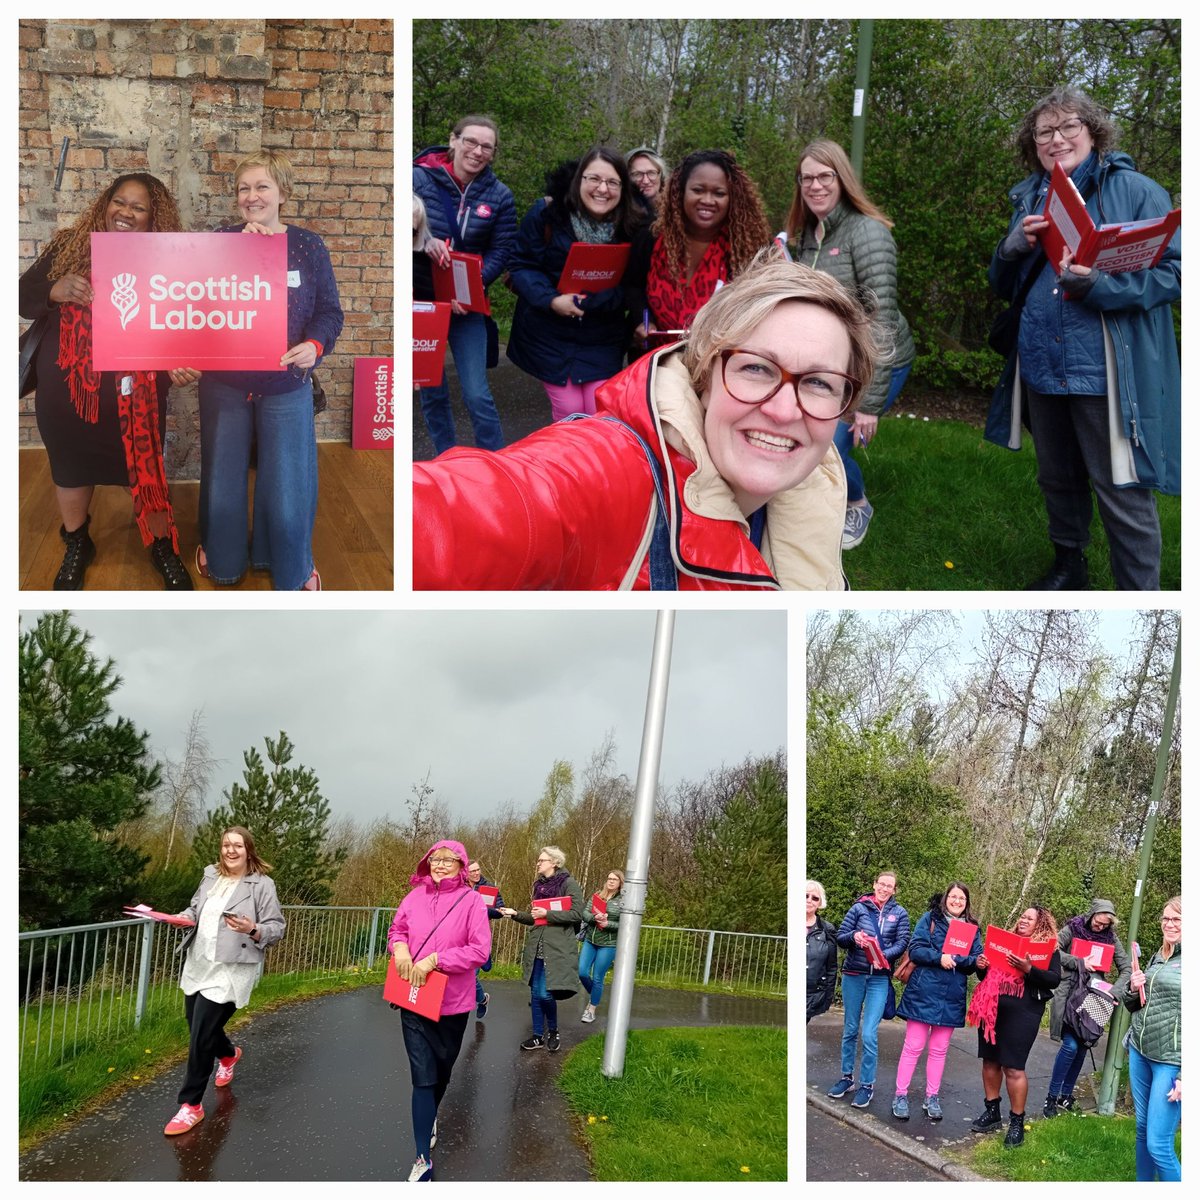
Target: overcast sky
(485,702)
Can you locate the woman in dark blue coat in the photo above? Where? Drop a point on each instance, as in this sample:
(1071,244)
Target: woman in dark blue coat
(935,998)
(573,342)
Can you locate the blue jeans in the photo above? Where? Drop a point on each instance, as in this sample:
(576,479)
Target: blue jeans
(1068,1064)
(285,483)
(468,344)
(864,998)
(543,1004)
(841,439)
(594,962)
(1157,1118)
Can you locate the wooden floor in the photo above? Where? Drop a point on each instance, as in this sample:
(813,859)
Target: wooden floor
(352,542)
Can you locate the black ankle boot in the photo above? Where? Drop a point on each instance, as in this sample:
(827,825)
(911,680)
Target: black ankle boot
(1016,1129)
(1068,574)
(1051,1106)
(80,551)
(989,1118)
(170,566)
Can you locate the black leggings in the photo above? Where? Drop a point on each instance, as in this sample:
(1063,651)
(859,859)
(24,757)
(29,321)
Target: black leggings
(206,1022)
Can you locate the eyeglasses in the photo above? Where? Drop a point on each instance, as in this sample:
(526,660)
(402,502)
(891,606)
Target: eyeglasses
(600,181)
(484,148)
(444,862)
(1069,129)
(1172,921)
(752,379)
(813,896)
(638,176)
(1101,925)
(824,179)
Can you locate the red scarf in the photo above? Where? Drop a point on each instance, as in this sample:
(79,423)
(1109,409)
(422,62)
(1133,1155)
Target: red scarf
(137,412)
(986,1001)
(675,302)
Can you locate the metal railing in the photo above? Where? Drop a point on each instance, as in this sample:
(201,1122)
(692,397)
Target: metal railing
(88,982)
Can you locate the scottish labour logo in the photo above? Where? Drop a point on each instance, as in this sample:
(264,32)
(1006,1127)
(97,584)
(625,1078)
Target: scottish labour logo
(124,298)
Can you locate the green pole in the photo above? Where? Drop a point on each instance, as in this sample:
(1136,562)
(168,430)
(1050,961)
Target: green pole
(1120,1022)
(862,78)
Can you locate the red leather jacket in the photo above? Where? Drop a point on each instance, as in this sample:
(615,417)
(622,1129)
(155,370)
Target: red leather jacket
(572,507)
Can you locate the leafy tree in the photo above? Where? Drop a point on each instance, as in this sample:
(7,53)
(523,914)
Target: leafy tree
(283,808)
(81,773)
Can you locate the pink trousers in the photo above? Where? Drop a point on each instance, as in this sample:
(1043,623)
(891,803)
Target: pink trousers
(567,398)
(938,1037)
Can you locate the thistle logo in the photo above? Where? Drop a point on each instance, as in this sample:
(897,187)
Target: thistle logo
(124,298)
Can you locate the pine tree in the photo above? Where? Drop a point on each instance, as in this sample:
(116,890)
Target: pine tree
(81,773)
(284,810)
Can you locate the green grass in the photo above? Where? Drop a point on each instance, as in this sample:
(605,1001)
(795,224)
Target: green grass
(1084,1147)
(692,1104)
(943,495)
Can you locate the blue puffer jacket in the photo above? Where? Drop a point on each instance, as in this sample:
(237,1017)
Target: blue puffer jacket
(1061,341)
(551,348)
(934,994)
(890,926)
(484,217)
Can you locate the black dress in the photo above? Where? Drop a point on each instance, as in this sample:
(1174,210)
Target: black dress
(1018,1018)
(81,453)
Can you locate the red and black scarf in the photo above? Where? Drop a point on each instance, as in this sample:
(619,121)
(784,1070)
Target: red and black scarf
(137,412)
(674,302)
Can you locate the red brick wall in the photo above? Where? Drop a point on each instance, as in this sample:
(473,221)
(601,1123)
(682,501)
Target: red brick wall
(186,100)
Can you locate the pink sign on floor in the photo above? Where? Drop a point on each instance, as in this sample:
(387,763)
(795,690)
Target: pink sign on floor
(373,425)
(213,301)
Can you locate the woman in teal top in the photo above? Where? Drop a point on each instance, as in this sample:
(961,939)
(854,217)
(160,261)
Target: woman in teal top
(600,942)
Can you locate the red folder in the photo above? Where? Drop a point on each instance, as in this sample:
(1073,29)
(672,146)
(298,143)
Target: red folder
(1097,956)
(874,952)
(462,280)
(551,903)
(142,910)
(599,905)
(1000,940)
(430,325)
(960,938)
(593,267)
(425,1000)
(1121,246)
(489,894)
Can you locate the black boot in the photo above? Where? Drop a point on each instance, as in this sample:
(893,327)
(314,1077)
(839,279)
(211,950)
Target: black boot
(170,566)
(1068,574)
(1051,1106)
(1016,1129)
(989,1118)
(80,551)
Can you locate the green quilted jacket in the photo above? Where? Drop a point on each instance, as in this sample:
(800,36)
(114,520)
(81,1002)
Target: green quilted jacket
(1156,1031)
(858,251)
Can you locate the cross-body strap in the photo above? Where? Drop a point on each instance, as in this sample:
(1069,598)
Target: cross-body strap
(440,920)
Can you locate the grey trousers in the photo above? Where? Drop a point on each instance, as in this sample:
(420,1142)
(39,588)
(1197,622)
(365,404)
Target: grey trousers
(1070,436)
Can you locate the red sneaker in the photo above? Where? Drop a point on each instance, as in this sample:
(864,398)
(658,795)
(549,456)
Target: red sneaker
(225,1068)
(188,1116)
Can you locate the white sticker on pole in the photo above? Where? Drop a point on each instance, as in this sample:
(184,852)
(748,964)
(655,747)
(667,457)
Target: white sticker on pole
(858,102)
(1137,889)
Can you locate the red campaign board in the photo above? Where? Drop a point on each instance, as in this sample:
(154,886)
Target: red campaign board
(1000,940)
(599,904)
(960,937)
(212,301)
(430,325)
(551,904)
(373,419)
(593,267)
(425,1000)
(1097,956)
(490,894)
(875,954)
(462,280)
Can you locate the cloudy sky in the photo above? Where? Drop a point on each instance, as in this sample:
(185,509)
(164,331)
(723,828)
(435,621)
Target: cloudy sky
(485,702)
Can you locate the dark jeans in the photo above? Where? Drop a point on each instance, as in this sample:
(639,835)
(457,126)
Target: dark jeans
(468,344)
(1070,436)
(545,1007)
(208,1041)
(1068,1064)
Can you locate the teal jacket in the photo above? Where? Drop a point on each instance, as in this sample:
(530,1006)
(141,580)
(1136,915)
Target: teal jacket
(608,935)
(1157,1029)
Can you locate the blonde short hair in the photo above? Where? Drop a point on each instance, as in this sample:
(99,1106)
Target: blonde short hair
(555,855)
(737,309)
(420,224)
(277,165)
(811,885)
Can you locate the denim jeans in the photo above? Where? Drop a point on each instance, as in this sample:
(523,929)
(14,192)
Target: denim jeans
(285,483)
(468,344)
(545,1007)
(1068,1064)
(841,439)
(1157,1118)
(864,998)
(594,962)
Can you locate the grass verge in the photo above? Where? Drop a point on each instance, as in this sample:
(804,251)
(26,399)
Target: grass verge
(953,511)
(692,1104)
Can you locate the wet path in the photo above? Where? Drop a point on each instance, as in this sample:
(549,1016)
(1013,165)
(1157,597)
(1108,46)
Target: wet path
(322,1093)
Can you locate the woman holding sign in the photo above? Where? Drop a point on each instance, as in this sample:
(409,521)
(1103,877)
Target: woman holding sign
(944,950)
(1155,1044)
(570,328)
(600,918)
(1099,364)
(550,960)
(1007,1006)
(441,925)
(101,428)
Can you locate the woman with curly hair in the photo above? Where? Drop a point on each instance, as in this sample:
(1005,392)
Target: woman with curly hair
(710,226)
(1008,1009)
(101,427)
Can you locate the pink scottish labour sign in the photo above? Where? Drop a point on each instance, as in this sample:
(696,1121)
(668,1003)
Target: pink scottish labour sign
(212,301)
(372,425)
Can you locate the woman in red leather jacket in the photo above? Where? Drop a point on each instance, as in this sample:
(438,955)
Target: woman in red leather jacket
(708,465)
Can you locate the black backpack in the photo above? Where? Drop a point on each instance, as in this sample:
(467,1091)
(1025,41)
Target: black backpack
(1090,1005)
